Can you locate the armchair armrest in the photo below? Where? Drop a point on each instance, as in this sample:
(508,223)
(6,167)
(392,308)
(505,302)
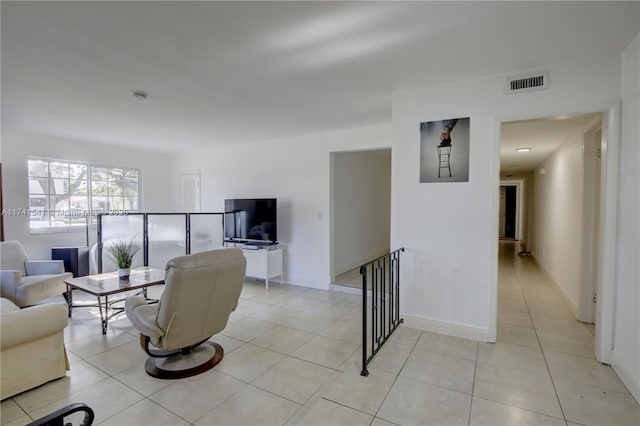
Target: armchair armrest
(9,282)
(44,267)
(143,316)
(26,325)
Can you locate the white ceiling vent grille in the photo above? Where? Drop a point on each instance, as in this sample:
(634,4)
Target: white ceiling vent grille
(528,83)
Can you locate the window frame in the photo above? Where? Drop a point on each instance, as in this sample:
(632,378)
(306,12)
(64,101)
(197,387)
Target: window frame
(89,214)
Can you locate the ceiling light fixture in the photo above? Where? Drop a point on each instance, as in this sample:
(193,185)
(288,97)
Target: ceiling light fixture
(523,149)
(140,95)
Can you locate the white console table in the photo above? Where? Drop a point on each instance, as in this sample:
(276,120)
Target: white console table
(264,264)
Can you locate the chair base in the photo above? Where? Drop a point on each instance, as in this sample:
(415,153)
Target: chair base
(199,360)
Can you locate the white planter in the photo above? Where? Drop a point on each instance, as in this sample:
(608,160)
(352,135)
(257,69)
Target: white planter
(123,273)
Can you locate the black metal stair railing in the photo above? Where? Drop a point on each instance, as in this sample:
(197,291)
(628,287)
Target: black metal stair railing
(57,417)
(380,282)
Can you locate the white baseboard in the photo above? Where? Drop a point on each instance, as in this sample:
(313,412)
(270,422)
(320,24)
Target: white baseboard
(346,289)
(447,328)
(573,306)
(302,282)
(627,379)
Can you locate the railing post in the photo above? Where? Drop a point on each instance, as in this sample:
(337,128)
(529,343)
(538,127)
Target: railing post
(363,272)
(385,309)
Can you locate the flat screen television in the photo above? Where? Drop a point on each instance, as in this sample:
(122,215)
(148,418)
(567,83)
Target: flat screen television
(251,220)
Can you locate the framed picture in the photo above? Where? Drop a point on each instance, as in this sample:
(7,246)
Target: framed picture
(444,150)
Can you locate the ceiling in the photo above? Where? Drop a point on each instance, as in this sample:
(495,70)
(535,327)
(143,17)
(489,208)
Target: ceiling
(542,135)
(230,72)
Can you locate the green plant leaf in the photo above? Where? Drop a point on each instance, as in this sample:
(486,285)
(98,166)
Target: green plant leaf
(122,253)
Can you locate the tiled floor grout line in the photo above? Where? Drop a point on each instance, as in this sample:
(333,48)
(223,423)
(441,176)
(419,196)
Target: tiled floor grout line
(413,347)
(220,372)
(535,330)
(473,383)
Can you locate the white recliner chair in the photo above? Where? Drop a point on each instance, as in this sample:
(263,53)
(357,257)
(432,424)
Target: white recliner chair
(201,291)
(26,282)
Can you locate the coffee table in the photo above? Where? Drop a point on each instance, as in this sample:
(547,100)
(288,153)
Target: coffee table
(109,284)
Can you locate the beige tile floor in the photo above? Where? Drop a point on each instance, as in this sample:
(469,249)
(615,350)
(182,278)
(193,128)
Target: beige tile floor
(292,357)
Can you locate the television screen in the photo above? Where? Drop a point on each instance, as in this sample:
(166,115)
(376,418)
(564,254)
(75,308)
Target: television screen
(251,220)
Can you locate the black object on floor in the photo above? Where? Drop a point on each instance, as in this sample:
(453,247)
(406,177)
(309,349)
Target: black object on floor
(57,417)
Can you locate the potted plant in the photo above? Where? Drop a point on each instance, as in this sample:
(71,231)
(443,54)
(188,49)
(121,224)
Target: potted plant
(122,253)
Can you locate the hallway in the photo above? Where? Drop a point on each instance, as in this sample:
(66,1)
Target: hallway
(560,361)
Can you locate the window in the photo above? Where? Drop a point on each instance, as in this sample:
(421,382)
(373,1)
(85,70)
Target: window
(63,194)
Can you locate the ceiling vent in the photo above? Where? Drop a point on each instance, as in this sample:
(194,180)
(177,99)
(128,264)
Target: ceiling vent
(528,83)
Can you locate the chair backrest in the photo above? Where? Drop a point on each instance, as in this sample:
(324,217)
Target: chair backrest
(13,256)
(201,291)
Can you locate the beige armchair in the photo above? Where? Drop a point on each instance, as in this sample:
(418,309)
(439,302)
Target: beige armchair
(26,282)
(201,291)
(31,346)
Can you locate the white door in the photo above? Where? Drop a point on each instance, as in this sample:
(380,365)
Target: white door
(190,192)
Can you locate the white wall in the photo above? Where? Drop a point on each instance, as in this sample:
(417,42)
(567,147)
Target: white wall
(361,207)
(18,146)
(626,355)
(294,170)
(449,271)
(557,213)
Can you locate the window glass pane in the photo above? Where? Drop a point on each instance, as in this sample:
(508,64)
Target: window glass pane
(38,224)
(38,168)
(99,204)
(130,204)
(37,202)
(76,220)
(78,212)
(116,188)
(79,203)
(131,176)
(77,171)
(79,188)
(58,204)
(131,189)
(115,203)
(99,173)
(38,185)
(58,210)
(116,174)
(59,170)
(99,188)
(59,186)
(38,207)
(58,222)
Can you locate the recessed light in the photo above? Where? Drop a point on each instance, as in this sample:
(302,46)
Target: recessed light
(523,149)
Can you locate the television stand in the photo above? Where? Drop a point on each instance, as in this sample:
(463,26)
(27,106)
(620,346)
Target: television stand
(264,261)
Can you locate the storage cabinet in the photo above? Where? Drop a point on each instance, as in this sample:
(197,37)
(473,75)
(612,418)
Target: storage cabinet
(264,264)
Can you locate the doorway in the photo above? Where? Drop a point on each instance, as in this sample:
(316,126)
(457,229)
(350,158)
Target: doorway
(190,191)
(360,211)
(550,245)
(508,212)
